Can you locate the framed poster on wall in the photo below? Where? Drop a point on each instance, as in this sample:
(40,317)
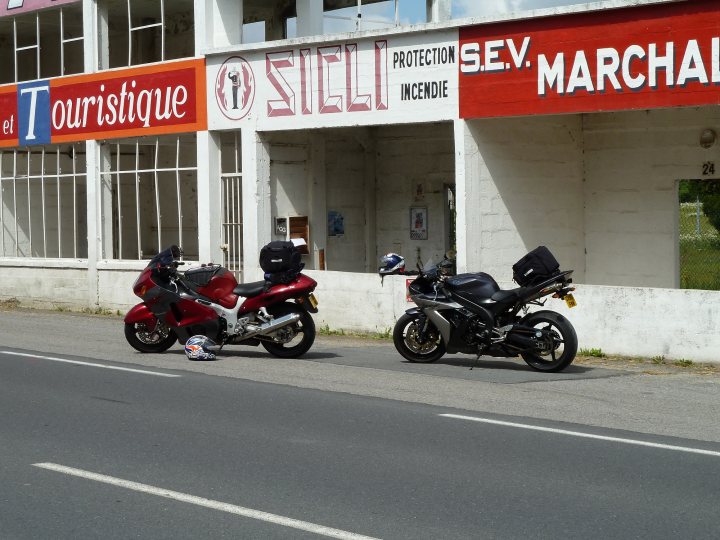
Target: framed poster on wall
(418,223)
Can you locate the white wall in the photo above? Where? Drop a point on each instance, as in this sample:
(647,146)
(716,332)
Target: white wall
(633,161)
(402,156)
(408,156)
(48,284)
(345,180)
(634,321)
(530,185)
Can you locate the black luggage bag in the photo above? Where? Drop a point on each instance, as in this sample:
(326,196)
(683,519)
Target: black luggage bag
(281,261)
(535,267)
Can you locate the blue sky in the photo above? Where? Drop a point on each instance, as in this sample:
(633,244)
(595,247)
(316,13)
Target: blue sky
(413,11)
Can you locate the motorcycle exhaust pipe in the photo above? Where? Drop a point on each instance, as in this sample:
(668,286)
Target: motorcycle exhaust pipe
(521,341)
(273,325)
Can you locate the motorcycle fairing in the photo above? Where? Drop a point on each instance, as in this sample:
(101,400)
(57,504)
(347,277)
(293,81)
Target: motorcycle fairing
(279,293)
(478,285)
(477,292)
(140,314)
(220,288)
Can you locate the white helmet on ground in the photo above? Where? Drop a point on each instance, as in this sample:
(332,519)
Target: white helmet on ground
(200,348)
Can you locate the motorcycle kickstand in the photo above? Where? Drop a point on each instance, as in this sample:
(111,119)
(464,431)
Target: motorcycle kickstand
(477,358)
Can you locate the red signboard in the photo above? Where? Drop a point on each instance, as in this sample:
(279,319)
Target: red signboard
(13,7)
(633,58)
(154,99)
(8,115)
(149,100)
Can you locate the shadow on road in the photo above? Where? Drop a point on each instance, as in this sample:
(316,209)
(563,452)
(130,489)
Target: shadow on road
(469,362)
(247,353)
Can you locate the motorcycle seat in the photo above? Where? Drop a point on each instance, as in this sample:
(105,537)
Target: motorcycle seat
(248,290)
(508,294)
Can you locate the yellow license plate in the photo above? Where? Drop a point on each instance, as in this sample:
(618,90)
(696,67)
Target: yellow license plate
(570,301)
(313,301)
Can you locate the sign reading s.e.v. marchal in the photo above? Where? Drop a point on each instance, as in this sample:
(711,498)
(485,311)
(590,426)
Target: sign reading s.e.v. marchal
(372,81)
(660,55)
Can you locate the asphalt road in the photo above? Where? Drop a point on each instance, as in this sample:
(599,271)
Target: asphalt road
(684,406)
(91,452)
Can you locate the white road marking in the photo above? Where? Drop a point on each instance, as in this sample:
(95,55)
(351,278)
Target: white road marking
(207,503)
(90,364)
(585,435)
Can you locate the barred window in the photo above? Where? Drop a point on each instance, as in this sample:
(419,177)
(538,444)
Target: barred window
(43,202)
(231,201)
(154,195)
(144,31)
(47,43)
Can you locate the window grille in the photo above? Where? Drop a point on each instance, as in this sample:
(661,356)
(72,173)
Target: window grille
(231,194)
(154,195)
(144,31)
(43,202)
(135,30)
(46,43)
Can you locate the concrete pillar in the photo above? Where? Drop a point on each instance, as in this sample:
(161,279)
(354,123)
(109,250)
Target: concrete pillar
(103,39)
(371,254)
(468,220)
(438,10)
(317,198)
(218,23)
(90,35)
(92,164)
(309,17)
(94,220)
(256,201)
(105,199)
(208,190)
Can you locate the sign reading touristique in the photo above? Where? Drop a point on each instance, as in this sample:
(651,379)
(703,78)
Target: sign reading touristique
(662,55)
(155,99)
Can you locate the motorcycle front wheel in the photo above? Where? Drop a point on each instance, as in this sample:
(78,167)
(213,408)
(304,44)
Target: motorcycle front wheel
(413,347)
(292,340)
(149,340)
(558,346)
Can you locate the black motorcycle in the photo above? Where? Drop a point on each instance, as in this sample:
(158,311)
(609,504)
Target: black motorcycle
(469,313)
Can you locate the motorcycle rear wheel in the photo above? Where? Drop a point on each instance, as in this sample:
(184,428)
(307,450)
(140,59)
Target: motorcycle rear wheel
(283,343)
(562,352)
(407,342)
(146,340)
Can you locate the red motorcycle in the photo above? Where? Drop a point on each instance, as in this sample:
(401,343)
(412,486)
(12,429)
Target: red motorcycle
(208,301)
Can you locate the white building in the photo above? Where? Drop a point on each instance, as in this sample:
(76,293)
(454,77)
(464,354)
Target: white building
(128,125)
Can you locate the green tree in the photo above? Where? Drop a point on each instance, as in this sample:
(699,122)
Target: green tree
(708,191)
